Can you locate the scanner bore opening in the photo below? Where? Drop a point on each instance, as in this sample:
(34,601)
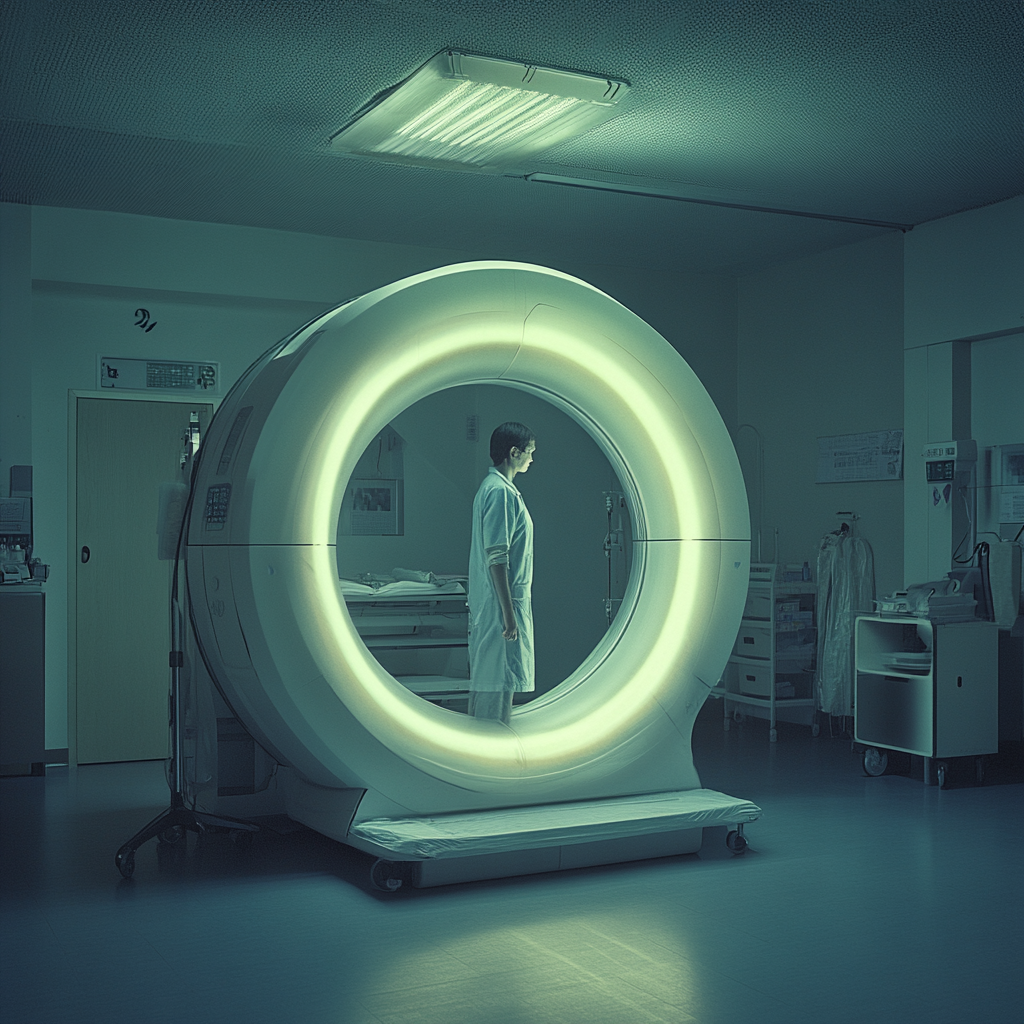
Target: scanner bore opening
(431,458)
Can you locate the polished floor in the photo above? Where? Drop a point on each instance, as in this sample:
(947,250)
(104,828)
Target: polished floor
(860,899)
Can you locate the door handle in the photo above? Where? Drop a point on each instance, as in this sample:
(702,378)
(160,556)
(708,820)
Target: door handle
(86,554)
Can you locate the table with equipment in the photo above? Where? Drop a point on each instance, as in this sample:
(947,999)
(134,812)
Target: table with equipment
(926,688)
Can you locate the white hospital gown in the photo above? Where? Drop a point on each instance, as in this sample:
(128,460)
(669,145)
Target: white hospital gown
(502,534)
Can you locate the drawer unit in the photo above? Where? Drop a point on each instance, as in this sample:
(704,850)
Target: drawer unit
(753,681)
(754,642)
(770,673)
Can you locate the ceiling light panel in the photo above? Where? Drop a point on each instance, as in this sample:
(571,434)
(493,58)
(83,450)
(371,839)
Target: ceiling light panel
(478,113)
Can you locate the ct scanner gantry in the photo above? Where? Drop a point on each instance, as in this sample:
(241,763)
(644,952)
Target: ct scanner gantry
(597,770)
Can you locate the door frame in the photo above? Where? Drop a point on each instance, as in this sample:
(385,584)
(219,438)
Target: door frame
(192,398)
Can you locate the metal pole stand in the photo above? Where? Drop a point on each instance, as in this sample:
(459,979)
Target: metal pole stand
(172,825)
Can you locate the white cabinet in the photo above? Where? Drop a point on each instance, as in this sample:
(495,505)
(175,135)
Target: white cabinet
(771,671)
(22,697)
(422,640)
(926,688)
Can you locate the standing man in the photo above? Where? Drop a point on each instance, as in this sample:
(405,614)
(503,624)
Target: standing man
(500,578)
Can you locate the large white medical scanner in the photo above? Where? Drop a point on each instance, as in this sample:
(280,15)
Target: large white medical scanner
(597,770)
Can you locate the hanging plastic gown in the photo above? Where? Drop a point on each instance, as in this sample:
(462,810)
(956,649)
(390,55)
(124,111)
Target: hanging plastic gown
(502,534)
(846,589)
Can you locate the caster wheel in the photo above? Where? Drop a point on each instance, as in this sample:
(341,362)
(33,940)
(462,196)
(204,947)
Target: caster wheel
(773,735)
(736,842)
(125,861)
(737,716)
(242,838)
(940,774)
(384,876)
(875,762)
(815,729)
(725,724)
(171,836)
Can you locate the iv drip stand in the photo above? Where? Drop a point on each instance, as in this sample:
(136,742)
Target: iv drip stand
(172,825)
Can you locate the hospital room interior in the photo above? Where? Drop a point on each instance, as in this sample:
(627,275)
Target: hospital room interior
(721,303)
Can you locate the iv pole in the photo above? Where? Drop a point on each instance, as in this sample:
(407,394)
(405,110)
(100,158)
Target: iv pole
(172,825)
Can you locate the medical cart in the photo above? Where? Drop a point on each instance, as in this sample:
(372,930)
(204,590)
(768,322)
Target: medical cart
(926,688)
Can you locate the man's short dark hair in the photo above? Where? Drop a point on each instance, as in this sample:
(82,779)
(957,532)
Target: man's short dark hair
(508,436)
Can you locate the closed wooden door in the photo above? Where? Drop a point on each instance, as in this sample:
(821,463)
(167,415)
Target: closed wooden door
(125,450)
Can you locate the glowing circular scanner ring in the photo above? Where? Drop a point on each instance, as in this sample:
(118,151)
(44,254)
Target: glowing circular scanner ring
(279,457)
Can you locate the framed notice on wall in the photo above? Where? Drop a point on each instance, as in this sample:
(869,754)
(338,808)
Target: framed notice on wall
(876,455)
(373,508)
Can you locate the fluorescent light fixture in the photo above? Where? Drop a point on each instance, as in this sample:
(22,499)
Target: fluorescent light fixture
(468,112)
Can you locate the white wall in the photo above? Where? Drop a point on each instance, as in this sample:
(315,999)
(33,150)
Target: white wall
(226,293)
(15,339)
(965,275)
(997,390)
(964,312)
(820,353)
(696,314)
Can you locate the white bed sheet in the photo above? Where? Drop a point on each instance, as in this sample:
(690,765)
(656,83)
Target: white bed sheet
(400,588)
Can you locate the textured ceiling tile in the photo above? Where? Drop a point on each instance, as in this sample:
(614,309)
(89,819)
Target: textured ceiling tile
(222,110)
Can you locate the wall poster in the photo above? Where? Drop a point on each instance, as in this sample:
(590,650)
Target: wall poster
(875,455)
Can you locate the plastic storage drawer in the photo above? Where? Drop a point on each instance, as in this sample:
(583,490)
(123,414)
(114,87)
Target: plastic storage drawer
(754,682)
(753,642)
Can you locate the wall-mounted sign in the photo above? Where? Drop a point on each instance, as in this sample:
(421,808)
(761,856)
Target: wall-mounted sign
(876,455)
(158,375)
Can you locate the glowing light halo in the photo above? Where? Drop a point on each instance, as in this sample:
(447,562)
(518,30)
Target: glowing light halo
(591,727)
(584,723)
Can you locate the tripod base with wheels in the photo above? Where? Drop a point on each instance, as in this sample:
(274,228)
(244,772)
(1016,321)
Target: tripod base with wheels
(171,826)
